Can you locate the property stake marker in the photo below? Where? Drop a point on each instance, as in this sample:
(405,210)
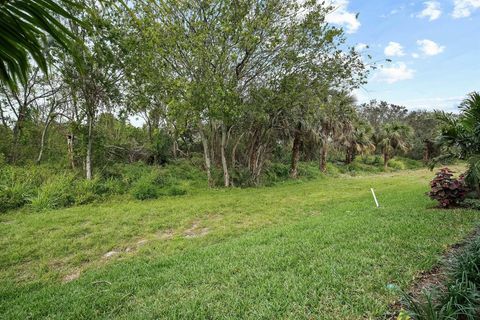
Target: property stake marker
(375,198)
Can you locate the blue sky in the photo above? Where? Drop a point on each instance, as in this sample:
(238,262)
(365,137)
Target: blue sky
(434,47)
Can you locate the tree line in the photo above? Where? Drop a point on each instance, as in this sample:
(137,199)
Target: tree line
(241,83)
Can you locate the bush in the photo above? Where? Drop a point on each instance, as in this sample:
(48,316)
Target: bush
(87,191)
(145,188)
(57,192)
(448,191)
(176,191)
(13,197)
(396,164)
(467,264)
(472,203)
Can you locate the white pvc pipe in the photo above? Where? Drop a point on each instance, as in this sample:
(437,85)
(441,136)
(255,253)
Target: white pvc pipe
(375,198)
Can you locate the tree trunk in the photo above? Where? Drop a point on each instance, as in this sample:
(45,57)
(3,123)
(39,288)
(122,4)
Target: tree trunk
(206,156)
(350,155)
(252,159)
(42,140)
(17,132)
(323,157)
(297,142)
(348,158)
(385,161)
(234,151)
(88,160)
(71,156)
(226,176)
(427,147)
(175,148)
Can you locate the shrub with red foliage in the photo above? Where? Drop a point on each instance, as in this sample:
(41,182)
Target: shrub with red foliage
(448,191)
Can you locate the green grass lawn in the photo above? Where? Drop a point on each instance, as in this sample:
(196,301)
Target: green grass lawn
(302,250)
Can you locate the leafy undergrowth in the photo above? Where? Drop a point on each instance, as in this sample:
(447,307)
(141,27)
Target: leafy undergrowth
(312,250)
(39,188)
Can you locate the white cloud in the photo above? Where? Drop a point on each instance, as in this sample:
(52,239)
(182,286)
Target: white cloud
(341,16)
(464,8)
(430,48)
(394,49)
(396,72)
(415,55)
(361,46)
(432,10)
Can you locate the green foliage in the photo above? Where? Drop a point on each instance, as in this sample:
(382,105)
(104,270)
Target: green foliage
(176,191)
(471,203)
(2,160)
(14,196)
(24,24)
(467,263)
(459,137)
(276,172)
(144,189)
(57,192)
(461,297)
(396,164)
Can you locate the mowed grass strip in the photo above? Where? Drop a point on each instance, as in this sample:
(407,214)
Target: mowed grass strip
(311,250)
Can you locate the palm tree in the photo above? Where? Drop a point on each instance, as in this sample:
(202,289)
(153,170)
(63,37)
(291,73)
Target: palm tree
(335,119)
(393,137)
(358,141)
(24,25)
(460,137)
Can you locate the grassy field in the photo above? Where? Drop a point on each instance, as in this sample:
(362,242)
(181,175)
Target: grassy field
(301,250)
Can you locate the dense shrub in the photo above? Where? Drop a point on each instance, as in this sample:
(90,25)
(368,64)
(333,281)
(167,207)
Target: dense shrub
(471,203)
(467,264)
(448,191)
(13,197)
(176,191)
(145,188)
(57,192)
(396,164)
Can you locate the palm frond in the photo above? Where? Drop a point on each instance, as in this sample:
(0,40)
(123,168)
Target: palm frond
(25,26)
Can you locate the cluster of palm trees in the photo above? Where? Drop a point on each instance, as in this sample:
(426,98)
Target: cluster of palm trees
(342,127)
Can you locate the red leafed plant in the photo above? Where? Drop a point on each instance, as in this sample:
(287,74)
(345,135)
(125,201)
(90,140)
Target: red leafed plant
(448,191)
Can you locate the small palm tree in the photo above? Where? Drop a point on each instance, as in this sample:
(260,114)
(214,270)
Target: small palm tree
(24,25)
(336,120)
(460,137)
(359,142)
(393,137)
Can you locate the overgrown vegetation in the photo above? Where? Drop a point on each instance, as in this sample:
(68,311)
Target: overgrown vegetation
(45,187)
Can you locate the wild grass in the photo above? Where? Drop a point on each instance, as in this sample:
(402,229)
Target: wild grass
(316,249)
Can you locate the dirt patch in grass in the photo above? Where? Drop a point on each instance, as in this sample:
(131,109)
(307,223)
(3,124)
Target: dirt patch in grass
(72,276)
(433,278)
(196,231)
(165,234)
(110,254)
